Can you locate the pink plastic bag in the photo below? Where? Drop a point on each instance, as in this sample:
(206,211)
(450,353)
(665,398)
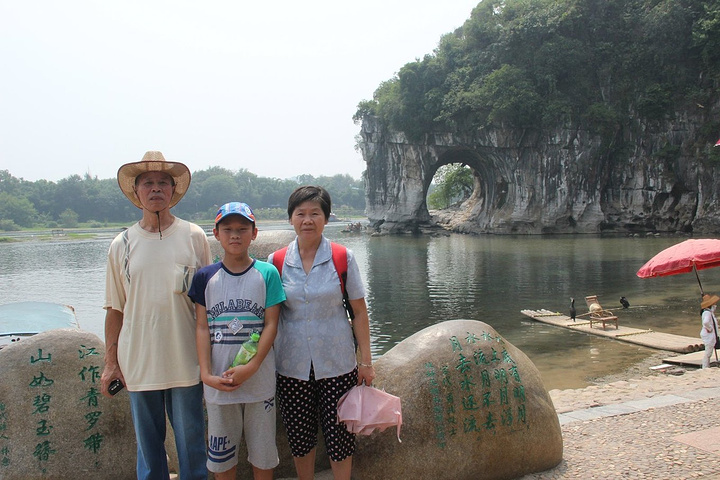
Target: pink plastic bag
(364,409)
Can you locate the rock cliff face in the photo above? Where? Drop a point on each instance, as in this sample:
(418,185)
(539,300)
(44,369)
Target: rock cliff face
(560,181)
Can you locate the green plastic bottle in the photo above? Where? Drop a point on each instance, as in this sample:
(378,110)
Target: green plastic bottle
(247,350)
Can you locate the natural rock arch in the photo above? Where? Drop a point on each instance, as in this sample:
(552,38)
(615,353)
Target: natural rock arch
(489,188)
(545,182)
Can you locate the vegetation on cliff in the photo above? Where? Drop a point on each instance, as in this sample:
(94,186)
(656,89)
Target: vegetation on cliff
(603,65)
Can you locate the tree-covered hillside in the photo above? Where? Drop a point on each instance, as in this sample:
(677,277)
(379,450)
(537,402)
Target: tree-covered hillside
(540,63)
(89,199)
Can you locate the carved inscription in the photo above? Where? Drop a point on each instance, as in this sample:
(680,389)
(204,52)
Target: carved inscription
(479,393)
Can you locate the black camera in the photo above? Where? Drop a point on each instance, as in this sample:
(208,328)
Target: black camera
(115,386)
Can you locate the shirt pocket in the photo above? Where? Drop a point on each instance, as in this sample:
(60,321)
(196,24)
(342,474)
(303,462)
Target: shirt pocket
(183,277)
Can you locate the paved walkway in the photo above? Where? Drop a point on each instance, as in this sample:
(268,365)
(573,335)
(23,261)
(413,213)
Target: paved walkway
(674,436)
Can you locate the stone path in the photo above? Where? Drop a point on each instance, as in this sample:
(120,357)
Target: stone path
(658,427)
(676,441)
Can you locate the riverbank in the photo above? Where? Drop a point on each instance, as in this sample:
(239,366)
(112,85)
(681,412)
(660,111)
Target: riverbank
(637,382)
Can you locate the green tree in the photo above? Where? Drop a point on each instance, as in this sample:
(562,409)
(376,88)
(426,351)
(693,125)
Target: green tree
(25,204)
(9,184)
(68,218)
(453,184)
(18,210)
(706,35)
(110,204)
(542,63)
(71,192)
(509,96)
(42,195)
(218,190)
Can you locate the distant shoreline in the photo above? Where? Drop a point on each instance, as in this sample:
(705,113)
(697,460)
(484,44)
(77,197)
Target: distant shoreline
(83,233)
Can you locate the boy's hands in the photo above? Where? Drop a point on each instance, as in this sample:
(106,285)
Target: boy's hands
(220,383)
(231,378)
(237,375)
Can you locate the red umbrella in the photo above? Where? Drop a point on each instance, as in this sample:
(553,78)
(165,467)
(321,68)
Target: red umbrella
(684,257)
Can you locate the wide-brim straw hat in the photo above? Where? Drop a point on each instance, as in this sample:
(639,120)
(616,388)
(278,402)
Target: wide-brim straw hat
(153,162)
(709,300)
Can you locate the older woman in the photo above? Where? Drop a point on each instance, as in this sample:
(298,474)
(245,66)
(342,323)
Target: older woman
(709,330)
(315,351)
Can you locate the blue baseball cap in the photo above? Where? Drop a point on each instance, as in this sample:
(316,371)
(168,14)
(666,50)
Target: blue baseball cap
(234,208)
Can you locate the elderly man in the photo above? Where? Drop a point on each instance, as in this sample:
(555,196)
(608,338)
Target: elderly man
(149,321)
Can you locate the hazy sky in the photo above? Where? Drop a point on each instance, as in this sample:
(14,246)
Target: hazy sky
(267,86)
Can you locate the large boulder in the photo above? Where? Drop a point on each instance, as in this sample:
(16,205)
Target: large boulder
(474,406)
(54,423)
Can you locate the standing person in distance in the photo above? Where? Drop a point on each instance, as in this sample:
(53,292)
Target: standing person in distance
(315,351)
(234,298)
(150,321)
(709,326)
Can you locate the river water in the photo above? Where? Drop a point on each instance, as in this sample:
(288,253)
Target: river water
(417,281)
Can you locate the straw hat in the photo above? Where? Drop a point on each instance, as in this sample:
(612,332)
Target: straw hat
(153,162)
(709,300)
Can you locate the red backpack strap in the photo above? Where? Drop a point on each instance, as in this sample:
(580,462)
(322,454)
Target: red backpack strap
(279,259)
(339,258)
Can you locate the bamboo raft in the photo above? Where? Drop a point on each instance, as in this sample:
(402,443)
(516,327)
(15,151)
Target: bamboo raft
(646,338)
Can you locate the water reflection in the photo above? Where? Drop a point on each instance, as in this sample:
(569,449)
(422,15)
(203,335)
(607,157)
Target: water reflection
(414,282)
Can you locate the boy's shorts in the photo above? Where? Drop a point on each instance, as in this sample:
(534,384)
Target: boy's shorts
(225,429)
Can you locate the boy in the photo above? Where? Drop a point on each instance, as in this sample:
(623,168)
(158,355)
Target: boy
(233,298)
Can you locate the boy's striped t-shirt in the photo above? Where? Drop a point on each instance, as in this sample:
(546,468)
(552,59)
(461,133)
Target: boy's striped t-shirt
(235,305)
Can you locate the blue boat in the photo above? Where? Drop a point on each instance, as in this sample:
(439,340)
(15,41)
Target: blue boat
(24,319)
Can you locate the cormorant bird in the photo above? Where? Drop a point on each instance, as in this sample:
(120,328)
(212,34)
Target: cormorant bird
(624,302)
(572,309)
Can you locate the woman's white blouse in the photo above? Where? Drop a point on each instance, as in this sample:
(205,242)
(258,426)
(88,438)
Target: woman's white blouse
(313,327)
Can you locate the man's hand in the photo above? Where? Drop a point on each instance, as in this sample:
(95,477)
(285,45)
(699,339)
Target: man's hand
(110,373)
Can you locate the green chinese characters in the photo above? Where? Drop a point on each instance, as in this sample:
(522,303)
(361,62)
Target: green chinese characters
(479,391)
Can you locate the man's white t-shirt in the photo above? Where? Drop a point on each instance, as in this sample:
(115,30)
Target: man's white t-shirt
(147,281)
